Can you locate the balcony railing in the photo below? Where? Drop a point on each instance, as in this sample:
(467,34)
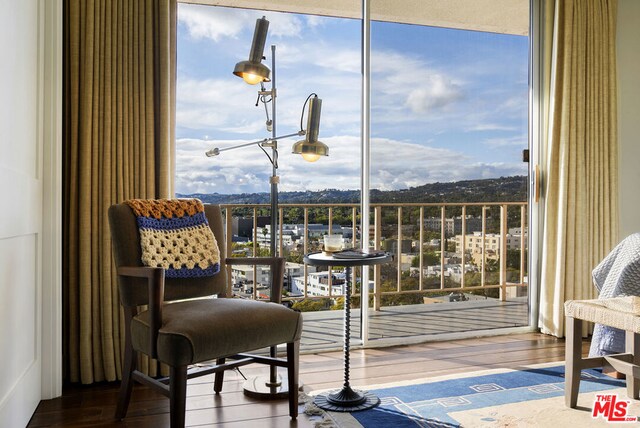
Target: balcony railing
(481,266)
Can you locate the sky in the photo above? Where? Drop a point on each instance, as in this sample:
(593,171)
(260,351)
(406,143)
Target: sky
(446,105)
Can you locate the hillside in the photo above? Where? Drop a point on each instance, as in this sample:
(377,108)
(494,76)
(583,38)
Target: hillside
(512,189)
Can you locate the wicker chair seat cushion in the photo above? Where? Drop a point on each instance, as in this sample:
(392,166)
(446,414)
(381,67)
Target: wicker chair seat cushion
(618,312)
(200,330)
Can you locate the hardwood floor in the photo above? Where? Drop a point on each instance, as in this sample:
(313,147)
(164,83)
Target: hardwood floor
(92,406)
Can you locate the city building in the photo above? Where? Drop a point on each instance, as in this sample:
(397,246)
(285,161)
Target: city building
(318,284)
(492,242)
(243,227)
(453,225)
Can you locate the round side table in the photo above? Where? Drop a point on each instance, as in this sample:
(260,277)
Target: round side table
(347,399)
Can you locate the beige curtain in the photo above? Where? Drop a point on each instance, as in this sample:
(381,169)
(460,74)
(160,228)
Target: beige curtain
(119,141)
(581,149)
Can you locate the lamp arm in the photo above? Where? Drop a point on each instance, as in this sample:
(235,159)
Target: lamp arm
(216,151)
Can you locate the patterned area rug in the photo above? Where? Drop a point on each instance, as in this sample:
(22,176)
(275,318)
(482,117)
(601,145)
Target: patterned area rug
(529,397)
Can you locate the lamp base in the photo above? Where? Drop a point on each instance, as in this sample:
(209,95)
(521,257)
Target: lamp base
(260,387)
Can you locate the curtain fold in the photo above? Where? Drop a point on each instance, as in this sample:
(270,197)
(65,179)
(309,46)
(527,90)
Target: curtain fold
(581,152)
(119,143)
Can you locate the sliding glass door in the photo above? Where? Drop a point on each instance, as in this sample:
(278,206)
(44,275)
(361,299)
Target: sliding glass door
(425,112)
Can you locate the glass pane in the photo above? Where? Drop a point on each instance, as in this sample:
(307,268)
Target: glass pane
(449,122)
(314,54)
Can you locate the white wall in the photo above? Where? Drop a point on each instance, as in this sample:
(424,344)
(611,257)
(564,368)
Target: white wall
(30,221)
(21,213)
(629,114)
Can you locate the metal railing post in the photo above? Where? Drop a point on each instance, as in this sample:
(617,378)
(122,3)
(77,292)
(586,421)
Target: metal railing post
(442,244)
(377,286)
(484,247)
(228,245)
(463,242)
(399,252)
(503,253)
(421,251)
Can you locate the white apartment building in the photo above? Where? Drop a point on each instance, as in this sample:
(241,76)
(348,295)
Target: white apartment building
(241,274)
(492,242)
(318,284)
(453,271)
(263,236)
(453,225)
(293,234)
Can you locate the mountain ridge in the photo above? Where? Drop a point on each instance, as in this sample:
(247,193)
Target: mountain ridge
(502,189)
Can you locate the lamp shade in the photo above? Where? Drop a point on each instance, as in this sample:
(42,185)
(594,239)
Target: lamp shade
(310,148)
(253,71)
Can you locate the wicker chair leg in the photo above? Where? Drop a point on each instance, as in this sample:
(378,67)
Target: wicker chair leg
(573,357)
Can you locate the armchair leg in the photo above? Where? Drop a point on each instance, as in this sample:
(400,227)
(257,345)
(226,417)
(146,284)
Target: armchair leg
(293,358)
(573,358)
(219,377)
(177,396)
(126,385)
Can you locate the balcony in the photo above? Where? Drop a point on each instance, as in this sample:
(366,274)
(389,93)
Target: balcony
(476,282)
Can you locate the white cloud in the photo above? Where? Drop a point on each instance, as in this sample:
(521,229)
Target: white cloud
(395,165)
(205,22)
(407,87)
(217,23)
(513,141)
(436,92)
(488,126)
(412,98)
(220,104)
(314,21)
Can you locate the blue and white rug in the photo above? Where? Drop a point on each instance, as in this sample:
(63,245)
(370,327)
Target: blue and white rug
(530,397)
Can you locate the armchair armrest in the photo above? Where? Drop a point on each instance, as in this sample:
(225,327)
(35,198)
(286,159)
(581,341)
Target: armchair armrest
(277,271)
(155,281)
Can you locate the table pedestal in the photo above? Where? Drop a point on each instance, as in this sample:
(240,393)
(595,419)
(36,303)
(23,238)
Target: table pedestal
(347,399)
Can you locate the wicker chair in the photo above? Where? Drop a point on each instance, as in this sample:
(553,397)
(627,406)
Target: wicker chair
(618,312)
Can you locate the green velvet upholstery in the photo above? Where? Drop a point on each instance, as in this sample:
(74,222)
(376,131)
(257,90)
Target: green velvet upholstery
(201,330)
(190,320)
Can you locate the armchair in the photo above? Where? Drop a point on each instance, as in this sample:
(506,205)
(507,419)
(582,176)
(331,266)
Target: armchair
(207,327)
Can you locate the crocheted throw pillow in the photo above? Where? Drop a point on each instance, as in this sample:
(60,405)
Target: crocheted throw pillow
(175,235)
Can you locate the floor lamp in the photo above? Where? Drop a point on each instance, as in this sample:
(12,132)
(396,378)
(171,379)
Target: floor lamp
(254,72)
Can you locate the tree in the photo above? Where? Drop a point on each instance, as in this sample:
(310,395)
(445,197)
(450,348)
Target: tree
(429,258)
(293,256)
(513,259)
(338,305)
(492,265)
(311,305)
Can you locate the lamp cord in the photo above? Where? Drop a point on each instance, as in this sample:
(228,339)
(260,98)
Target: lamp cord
(273,161)
(265,101)
(304,106)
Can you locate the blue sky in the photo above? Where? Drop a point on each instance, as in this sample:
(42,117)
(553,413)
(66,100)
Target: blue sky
(447,104)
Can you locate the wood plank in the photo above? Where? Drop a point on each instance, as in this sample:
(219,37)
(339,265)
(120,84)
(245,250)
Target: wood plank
(82,406)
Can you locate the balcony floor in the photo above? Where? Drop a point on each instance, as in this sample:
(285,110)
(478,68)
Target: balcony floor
(323,331)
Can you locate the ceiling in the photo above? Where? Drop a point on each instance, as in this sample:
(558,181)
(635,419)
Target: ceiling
(496,16)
